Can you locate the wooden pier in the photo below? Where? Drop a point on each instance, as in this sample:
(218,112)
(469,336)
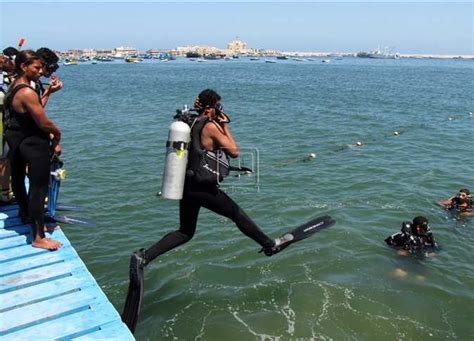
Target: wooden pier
(49,294)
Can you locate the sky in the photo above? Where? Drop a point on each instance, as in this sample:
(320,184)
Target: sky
(350,26)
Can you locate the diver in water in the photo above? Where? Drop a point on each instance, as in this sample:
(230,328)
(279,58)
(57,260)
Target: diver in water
(414,237)
(461,203)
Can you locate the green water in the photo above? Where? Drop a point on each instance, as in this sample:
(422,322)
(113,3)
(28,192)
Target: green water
(337,285)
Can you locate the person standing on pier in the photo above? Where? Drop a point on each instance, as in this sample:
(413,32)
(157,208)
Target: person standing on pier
(27,132)
(50,65)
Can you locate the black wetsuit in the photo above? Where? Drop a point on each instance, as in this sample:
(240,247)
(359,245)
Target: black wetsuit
(195,196)
(28,146)
(407,240)
(457,202)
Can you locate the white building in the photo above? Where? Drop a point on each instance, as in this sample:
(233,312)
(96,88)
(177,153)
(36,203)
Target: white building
(237,46)
(122,51)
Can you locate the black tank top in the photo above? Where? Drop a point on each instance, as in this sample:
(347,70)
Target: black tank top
(19,126)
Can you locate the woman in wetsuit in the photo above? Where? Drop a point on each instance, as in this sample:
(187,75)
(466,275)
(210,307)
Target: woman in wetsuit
(31,138)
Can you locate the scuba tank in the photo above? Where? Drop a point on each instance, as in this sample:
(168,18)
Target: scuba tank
(176,160)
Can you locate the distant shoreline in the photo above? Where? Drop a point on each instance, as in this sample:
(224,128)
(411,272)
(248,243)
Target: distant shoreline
(401,55)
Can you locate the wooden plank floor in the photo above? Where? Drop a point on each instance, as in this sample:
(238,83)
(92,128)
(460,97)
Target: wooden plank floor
(49,294)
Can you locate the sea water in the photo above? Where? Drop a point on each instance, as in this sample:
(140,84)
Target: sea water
(341,283)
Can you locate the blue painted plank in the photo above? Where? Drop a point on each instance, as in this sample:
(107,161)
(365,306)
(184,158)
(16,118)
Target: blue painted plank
(28,251)
(49,294)
(70,322)
(13,221)
(11,231)
(31,262)
(111,331)
(43,290)
(40,273)
(27,314)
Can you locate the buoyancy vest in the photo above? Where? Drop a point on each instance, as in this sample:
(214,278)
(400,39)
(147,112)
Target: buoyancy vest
(407,240)
(18,126)
(456,204)
(202,161)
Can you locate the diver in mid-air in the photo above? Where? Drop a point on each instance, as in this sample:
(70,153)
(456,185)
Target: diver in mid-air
(211,144)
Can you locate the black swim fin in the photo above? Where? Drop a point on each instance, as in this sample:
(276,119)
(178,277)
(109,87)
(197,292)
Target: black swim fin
(299,233)
(61,207)
(133,302)
(73,220)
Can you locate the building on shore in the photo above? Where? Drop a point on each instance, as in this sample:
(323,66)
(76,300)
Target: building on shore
(237,46)
(122,52)
(199,49)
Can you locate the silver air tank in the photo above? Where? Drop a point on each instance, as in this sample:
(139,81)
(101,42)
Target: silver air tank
(179,137)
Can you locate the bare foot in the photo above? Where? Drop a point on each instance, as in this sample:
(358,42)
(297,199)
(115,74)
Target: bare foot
(420,278)
(45,243)
(399,273)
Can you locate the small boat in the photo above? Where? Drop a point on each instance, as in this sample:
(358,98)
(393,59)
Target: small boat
(133,60)
(68,61)
(326,60)
(298,59)
(271,61)
(193,54)
(282,57)
(254,58)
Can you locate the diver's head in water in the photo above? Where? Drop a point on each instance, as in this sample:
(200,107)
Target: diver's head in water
(420,226)
(462,198)
(464,193)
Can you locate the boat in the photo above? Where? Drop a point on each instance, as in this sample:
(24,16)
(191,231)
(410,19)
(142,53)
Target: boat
(68,61)
(282,57)
(379,54)
(193,54)
(133,60)
(105,59)
(298,59)
(326,60)
(270,61)
(254,58)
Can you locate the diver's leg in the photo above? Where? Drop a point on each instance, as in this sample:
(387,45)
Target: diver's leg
(220,203)
(18,173)
(188,218)
(188,214)
(38,173)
